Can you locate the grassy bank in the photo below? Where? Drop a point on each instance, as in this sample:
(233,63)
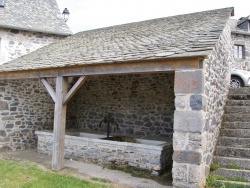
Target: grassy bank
(25,175)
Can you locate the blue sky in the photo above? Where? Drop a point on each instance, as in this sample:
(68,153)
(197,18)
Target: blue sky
(91,14)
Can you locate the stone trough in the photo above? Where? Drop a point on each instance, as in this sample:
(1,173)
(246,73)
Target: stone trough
(144,154)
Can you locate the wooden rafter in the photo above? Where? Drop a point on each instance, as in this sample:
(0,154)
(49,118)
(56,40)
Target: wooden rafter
(49,89)
(74,89)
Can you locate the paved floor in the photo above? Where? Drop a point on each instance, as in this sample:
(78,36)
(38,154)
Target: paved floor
(84,170)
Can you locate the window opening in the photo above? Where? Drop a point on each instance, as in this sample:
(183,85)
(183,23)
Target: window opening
(239,51)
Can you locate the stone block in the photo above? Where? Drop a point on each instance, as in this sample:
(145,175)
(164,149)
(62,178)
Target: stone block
(9,126)
(180,140)
(8,118)
(189,121)
(180,102)
(189,157)
(179,172)
(189,82)
(197,102)
(2,133)
(2,89)
(3,105)
(5,148)
(194,173)
(196,141)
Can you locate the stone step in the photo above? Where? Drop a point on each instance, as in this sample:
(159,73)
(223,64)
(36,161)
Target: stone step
(237,109)
(236,117)
(233,173)
(243,90)
(233,183)
(238,103)
(232,152)
(241,133)
(236,125)
(239,97)
(225,161)
(234,142)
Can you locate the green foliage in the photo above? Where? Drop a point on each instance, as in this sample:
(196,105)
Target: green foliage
(212,184)
(227,185)
(232,166)
(210,181)
(237,179)
(214,166)
(25,175)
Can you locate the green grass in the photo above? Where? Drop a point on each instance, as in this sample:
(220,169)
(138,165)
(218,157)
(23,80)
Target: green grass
(232,166)
(214,166)
(237,179)
(25,175)
(212,184)
(227,185)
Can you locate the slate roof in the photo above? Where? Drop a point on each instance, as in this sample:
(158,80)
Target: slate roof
(177,36)
(234,26)
(243,19)
(33,15)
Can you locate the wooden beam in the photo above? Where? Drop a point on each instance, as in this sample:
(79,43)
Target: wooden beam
(59,124)
(152,66)
(74,89)
(49,89)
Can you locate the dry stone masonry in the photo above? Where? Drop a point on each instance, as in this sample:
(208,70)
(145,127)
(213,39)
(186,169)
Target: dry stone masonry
(25,106)
(142,104)
(153,157)
(200,100)
(15,43)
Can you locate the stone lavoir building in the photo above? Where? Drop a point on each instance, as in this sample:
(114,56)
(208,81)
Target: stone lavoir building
(25,27)
(161,78)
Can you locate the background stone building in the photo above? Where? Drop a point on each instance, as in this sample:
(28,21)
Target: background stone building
(28,25)
(240,35)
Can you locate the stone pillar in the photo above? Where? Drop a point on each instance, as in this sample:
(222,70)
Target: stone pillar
(188,140)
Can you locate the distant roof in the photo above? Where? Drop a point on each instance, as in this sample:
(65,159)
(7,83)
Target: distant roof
(33,15)
(177,36)
(243,19)
(235,29)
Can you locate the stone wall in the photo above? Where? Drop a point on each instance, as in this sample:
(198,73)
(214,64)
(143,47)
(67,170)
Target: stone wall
(245,41)
(15,43)
(142,104)
(25,106)
(200,100)
(153,157)
(217,80)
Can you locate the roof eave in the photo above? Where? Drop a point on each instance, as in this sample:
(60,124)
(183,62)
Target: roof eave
(123,67)
(240,32)
(36,30)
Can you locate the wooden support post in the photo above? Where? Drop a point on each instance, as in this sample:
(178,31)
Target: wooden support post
(61,98)
(59,124)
